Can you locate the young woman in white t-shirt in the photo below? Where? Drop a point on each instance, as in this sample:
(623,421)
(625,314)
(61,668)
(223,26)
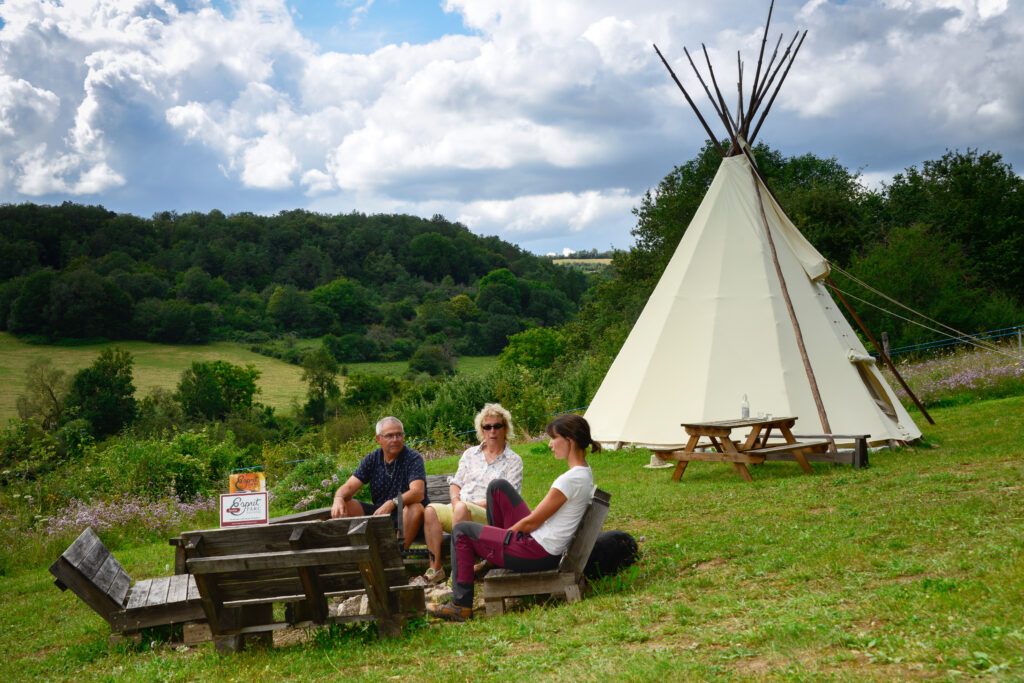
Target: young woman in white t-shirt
(516,537)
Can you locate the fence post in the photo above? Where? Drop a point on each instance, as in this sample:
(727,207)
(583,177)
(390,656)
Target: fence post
(885,343)
(1020,347)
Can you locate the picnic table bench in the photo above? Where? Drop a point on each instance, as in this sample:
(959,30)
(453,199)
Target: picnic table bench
(241,572)
(92,572)
(567,580)
(755,449)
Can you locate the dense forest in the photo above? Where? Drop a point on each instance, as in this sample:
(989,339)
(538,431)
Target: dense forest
(376,287)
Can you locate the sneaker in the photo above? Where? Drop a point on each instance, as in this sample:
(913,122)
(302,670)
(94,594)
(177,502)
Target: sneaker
(435,576)
(450,612)
(429,579)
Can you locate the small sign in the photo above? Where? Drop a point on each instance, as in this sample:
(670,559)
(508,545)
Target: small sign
(247,482)
(241,509)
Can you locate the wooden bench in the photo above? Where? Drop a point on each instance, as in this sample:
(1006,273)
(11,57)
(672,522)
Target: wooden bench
(437,492)
(858,458)
(567,580)
(241,572)
(92,572)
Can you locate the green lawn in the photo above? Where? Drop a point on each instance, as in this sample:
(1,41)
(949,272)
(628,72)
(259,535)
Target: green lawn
(161,365)
(912,569)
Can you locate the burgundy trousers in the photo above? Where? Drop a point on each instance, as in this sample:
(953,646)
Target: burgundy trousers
(495,543)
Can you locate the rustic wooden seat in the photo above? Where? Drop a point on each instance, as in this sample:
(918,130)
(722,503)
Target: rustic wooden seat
(92,572)
(437,492)
(858,458)
(567,580)
(241,572)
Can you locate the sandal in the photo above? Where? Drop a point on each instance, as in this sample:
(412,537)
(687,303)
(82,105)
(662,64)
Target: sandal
(451,612)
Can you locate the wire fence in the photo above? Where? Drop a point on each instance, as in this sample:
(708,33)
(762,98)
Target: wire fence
(1016,331)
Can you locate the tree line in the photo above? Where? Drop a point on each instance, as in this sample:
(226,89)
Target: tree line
(945,239)
(379,287)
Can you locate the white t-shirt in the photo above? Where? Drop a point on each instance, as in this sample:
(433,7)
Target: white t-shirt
(557,530)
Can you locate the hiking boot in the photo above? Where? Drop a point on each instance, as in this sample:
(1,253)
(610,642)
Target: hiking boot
(480,568)
(449,611)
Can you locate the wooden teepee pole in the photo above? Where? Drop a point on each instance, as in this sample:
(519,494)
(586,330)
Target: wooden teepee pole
(792,315)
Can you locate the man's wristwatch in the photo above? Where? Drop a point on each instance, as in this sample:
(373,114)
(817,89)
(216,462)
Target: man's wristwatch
(396,500)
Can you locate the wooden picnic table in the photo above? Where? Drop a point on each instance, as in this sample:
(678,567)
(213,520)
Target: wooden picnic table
(753,449)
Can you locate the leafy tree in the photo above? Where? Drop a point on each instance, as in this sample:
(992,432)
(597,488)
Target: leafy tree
(30,311)
(496,331)
(289,307)
(499,292)
(433,256)
(973,199)
(932,276)
(320,372)
(213,389)
(348,301)
(366,390)
(46,389)
(84,304)
(536,348)
(351,348)
(432,359)
(103,393)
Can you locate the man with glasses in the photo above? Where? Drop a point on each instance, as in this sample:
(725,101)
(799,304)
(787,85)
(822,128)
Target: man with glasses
(393,471)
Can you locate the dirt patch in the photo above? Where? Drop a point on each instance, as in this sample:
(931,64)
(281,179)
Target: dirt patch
(708,565)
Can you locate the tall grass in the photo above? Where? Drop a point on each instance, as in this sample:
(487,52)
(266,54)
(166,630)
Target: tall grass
(962,375)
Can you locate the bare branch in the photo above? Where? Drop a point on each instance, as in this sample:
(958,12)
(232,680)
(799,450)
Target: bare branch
(693,106)
(781,81)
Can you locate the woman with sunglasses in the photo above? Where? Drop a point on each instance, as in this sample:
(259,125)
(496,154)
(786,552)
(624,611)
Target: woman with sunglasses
(516,537)
(479,466)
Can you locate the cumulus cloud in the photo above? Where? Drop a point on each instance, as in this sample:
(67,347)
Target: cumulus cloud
(548,119)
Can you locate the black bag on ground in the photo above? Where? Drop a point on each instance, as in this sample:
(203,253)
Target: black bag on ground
(613,551)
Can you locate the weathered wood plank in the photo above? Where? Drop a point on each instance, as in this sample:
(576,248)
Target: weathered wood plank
(290,559)
(158,591)
(139,594)
(177,591)
(786,447)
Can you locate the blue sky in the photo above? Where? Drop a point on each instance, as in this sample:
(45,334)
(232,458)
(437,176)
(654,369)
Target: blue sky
(541,121)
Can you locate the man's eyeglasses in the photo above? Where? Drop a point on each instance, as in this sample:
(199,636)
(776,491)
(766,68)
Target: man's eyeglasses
(488,428)
(393,437)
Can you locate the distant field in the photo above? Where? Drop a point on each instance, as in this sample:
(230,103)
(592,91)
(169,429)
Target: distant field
(160,365)
(570,261)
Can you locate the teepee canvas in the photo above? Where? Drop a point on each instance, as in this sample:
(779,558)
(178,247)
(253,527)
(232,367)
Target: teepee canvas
(716,328)
(742,310)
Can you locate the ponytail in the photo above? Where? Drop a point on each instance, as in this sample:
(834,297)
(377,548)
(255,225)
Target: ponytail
(573,427)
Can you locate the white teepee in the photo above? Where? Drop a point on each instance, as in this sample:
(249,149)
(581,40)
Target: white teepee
(716,327)
(741,310)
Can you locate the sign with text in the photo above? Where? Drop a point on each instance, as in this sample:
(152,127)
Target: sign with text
(240,509)
(247,482)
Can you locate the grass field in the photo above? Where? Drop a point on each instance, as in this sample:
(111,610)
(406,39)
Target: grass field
(160,365)
(912,569)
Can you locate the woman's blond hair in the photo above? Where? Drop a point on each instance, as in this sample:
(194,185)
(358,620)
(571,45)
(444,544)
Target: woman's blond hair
(497,410)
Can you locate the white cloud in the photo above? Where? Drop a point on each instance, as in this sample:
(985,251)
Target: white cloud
(549,120)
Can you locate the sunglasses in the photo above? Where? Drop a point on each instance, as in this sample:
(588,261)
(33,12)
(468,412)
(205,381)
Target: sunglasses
(488,428)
